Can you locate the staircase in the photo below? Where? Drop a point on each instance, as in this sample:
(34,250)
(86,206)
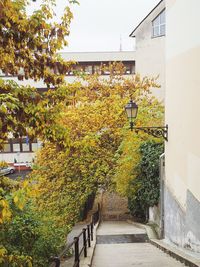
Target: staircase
(114,207)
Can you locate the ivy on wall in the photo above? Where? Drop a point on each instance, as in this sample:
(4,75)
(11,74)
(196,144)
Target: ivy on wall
(143,191)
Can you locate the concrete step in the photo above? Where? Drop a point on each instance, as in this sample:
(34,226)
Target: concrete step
(113,216)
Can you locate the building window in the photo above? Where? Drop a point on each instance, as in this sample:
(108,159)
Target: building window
(16,147)
(129,69)
(97,69)
(158,25)
(35,146)
(7,147)
(25,147)
(88,69)
(20,145)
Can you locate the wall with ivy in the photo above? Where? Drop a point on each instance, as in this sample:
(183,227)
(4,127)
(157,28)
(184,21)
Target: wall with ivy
(143,191)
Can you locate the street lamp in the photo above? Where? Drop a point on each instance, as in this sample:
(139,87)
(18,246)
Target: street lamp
(132,110)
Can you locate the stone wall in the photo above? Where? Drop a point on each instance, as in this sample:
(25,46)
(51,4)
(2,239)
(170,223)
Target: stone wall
(114,207)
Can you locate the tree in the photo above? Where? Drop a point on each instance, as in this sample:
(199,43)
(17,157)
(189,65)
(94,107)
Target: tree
(81,128)
(28,50)
(28,43)
(94,122)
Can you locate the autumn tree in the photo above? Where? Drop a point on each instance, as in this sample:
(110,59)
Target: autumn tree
(28,50)
(81,125)
(29,43)
(95,127)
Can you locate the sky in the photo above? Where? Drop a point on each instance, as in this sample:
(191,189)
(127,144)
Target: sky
(99,25)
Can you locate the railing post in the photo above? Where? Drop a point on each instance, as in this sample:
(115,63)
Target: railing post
(88,232)
(92,231)
(99,210)
(76,246)
(84,242)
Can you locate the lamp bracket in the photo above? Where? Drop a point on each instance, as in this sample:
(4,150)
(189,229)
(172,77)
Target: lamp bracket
(159,132)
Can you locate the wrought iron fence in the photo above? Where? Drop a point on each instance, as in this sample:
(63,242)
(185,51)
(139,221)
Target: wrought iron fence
(79,246)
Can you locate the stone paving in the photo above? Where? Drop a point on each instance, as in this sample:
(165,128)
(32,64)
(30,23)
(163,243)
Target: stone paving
(140,254)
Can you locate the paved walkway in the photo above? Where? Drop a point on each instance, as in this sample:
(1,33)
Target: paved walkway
(113,251)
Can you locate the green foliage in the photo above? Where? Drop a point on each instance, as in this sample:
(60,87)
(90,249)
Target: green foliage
(128,154)
(31,236)
(144,190)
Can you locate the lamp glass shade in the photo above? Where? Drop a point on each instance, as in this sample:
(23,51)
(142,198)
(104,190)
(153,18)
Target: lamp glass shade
(131,110)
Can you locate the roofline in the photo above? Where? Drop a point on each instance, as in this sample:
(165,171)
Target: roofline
(131,35)
(93,52)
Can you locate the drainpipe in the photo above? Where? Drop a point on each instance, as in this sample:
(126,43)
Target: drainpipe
(162,182)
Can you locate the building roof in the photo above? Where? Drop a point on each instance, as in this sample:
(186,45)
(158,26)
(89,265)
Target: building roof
(133,32)
(99,56)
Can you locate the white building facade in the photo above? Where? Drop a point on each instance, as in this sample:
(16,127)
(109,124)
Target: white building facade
(150,47)
(182,151)
(172,51)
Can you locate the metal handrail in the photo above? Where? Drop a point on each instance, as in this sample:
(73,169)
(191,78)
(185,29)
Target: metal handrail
(88,237)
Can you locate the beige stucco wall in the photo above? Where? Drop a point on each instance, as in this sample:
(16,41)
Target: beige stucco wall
(182,99)
(150,62)
(150,52)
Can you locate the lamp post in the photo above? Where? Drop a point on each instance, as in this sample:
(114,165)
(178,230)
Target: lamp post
(156,131)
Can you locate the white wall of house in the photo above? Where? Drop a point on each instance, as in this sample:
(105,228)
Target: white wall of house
(17,156)
(98,56)
(21,156)
(182,196)
(150,51)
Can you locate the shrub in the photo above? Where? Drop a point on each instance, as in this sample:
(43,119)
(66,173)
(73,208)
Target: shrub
(143,191)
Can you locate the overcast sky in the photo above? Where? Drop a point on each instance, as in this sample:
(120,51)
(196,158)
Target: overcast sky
(98,24)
